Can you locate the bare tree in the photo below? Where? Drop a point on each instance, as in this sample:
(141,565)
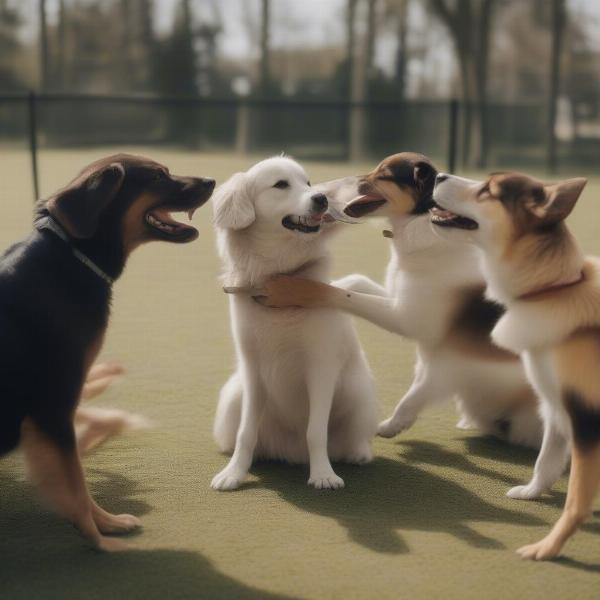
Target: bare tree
(401,49)
(265,47)
(468,22)
(44,47)
(558,27)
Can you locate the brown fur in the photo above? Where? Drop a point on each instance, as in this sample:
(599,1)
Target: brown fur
(403,181)
(526,217)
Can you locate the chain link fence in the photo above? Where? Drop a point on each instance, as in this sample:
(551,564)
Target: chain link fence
(317,130)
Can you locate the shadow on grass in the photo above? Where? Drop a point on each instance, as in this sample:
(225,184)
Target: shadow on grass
(579,565)
(385,497)
(428,453)
(487,447)
(43,557)
(492,448)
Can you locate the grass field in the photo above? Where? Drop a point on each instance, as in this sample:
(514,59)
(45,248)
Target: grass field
(427,519)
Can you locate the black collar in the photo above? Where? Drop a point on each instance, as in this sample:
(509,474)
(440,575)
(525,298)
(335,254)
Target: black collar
(49,223)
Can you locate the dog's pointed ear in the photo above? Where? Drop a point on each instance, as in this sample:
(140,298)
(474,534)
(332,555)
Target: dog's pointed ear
(560,199)
(78,206)
(232,204)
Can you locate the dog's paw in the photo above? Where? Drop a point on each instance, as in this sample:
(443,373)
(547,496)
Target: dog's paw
(226,480)
(328,481)
(393,426)
(118,524)
(545,549)
(525,492)
(107,544)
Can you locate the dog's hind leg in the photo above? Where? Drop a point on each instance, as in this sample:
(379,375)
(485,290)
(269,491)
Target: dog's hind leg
(584,481)
(57,473)
(350,439)
(229,412)
(236,471)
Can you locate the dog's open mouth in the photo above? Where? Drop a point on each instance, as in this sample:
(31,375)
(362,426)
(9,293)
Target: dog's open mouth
(363,205)
(161,222)
(444,218)
(303,223)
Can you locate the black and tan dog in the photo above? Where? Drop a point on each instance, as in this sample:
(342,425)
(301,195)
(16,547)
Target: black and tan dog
(55,294)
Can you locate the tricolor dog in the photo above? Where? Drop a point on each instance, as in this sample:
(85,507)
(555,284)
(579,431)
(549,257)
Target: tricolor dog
(433,294)
(551,291)
(302,391)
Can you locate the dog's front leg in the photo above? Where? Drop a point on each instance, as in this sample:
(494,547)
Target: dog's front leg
(236,471)
(321,387)
(58,475)
(360,283)
(554,453)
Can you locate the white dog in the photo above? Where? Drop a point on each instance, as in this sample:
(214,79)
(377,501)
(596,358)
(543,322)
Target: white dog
(302,391)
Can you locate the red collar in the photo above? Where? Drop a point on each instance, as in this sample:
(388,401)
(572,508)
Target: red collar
(553,288)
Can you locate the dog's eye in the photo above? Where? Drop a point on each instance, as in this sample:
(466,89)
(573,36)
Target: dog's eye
(308,183)
(282,184)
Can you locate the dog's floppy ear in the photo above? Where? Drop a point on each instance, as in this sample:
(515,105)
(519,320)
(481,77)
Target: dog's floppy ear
(78,206)
(560,199)
(232,204)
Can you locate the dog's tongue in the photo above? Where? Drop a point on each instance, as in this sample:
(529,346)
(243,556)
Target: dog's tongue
(339,192)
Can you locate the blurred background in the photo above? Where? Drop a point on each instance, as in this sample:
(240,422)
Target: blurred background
(472,83)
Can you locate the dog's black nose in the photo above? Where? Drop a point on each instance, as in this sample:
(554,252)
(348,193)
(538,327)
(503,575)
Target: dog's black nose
(320,201)
(207,183)
(441,177)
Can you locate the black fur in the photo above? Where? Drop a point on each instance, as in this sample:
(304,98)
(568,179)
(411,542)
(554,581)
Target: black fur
(54,309)
(584,420)
(417,173)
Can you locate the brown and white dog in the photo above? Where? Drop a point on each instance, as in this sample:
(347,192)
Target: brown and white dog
(551,291)
(433,294)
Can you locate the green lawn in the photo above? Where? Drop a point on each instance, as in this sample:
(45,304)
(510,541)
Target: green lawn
(428,518)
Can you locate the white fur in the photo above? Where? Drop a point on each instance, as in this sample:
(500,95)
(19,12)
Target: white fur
(302,391)
(424,274)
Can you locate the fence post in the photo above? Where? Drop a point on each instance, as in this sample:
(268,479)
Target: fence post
(452,134)
(33,139)
(242,131)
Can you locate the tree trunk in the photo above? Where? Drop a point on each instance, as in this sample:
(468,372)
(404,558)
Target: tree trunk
(400,66)
(350,43)
(370,41)
(558,25)
(44,49)
(61,46)
(467,107)
(481,79)
(265,47)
